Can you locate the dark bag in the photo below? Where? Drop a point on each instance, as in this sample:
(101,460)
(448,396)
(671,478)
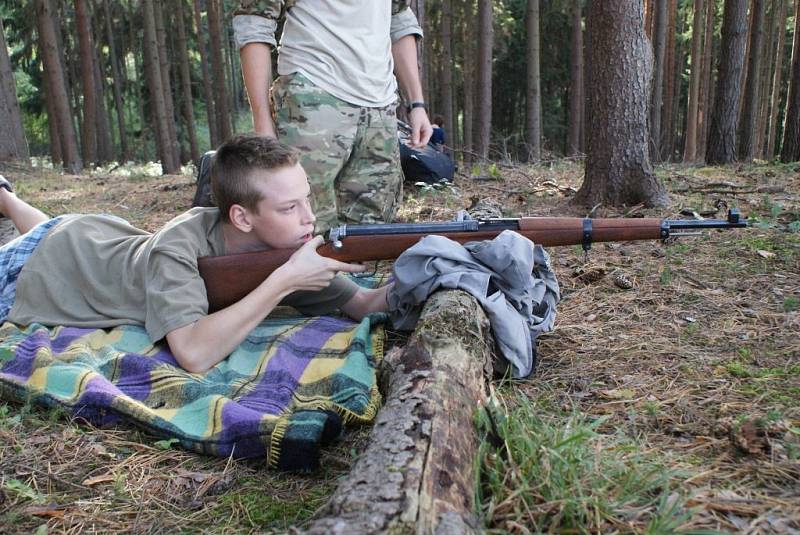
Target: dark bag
(426,164)
(203,196)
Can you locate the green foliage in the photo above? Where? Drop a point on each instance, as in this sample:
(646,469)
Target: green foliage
(558,473)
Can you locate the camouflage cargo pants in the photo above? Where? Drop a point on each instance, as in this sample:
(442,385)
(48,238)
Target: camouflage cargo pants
(350,153)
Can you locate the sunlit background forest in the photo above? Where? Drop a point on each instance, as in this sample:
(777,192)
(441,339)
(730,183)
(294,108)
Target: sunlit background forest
(143,80)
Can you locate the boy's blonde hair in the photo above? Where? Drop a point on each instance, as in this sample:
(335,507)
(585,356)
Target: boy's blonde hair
(234,164)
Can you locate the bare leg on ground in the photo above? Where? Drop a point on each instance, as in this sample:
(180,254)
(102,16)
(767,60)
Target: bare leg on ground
(23,215)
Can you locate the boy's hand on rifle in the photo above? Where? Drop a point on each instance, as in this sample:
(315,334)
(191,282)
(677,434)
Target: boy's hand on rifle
(307,270)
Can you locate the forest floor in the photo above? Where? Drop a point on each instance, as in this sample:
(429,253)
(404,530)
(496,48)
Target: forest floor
(667,399)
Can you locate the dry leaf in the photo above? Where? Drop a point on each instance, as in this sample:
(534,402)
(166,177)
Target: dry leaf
(92,481)
(765,254)
(618,393)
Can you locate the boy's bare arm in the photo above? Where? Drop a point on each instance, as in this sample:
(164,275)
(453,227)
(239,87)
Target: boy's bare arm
(202,344)
(367,301)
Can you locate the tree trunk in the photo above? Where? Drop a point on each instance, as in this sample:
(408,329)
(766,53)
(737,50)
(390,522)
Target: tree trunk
(772,128)
(484,100)
(13,145)
(218,68)
(533,115)
(208,94)
(469,51)
(89,126)
(118,83)
(52,123)
(417,474)
(659,54)
(618,169)
(51,58)
(186,82)
(166,81)
(749,119)
(722,133)
(672,53)
(105,147)
(574,143)
(446,70)
(158,107)
(706,83)
(790,146)
(690,146)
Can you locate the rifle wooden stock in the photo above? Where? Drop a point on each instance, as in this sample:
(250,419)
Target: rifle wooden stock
(229,278)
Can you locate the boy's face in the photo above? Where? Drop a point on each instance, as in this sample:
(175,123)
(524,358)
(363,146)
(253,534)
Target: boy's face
(284,219)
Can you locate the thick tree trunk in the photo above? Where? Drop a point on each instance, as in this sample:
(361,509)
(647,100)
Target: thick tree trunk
(417,474)
(13,145)
(52,123)
(772,127)
(533,130)
(51,58)
(446,71)
(118,82)
(722,133)
(484,96)
(576,90)
(659,55)
(690,146)
(218,68)
(105,146)
(208,93)
(618,169)
(89,126)
(186,83)
(790,147)
(749,118)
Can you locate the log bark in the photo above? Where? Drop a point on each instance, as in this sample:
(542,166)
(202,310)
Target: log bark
(417,474)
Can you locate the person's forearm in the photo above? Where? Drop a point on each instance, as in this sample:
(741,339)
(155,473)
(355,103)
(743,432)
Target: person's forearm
(404,52)
(201,345)
(257,75)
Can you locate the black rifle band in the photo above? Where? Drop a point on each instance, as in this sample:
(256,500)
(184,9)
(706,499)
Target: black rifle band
(587,234)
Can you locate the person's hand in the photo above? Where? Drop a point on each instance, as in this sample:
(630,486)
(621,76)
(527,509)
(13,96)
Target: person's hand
(421,128)
(307,270)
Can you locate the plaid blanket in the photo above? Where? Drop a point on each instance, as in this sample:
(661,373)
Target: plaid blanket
(286,391)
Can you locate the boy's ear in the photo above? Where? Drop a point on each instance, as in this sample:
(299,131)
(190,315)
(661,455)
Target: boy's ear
(240,217)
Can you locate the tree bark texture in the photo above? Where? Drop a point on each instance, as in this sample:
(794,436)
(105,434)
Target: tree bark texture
(118,83)
(618,168)
(749,120)
(724,117)
(166,83)
(186,83)
(673,58)
(690,145)
(706,83)
(154,82)
(659,54)
(13,145)
(446,71)
(576,89)
(484,96)
(469,51)
(790,147)
(51,59)
(208,93)
(89,126)
(105,146)
(218,68)
(775,98)
(533,130)
(417,474)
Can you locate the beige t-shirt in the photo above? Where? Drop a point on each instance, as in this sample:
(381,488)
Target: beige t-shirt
(343,47)
(100,271)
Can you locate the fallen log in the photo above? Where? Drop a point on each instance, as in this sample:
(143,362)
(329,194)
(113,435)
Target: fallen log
(417,474)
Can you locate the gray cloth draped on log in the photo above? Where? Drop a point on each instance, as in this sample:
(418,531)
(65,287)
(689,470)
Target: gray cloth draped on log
(509,275)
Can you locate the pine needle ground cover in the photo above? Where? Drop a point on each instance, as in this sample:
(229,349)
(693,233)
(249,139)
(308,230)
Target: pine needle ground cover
(666,400)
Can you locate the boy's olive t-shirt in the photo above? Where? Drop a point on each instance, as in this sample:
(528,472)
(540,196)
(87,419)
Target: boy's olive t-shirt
(101,271)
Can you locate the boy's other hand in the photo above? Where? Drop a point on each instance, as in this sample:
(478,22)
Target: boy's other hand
(307,270)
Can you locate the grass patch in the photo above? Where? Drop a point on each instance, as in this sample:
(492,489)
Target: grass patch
(560,473)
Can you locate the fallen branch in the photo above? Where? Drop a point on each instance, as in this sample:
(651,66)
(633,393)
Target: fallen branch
(417,474)
(760,189)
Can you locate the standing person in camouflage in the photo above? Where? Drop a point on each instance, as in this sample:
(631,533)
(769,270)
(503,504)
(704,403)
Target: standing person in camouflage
(335,96)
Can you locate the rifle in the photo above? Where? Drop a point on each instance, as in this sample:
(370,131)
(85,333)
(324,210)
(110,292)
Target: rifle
(229,278)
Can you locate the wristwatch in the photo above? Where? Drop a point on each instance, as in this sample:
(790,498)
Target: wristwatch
(415,104)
